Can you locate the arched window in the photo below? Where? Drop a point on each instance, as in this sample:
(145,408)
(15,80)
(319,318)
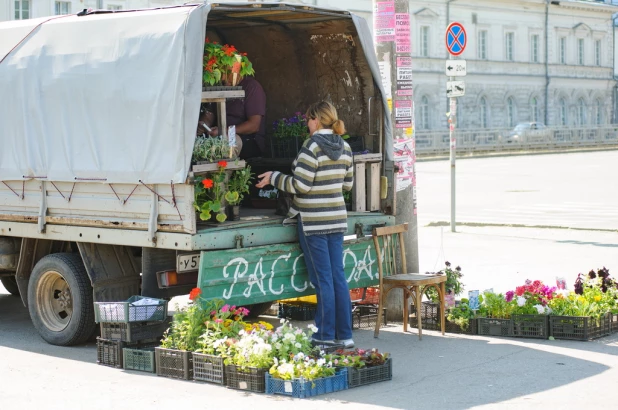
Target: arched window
(510,112)
(483,112)
(598,112)
(423,114)
(562,112)
(534,110)
(581,112)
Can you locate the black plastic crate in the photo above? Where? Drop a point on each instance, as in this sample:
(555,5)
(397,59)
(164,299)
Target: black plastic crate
(250,378)
(297,311)
(531,326)
(139,358)
(127,311)
(176,364)
(449,327)
(579,327)
(614,325)
(208,368)
(369,375)
(429,311)
(284,148)
(109,352)
(133,332)
(366,316)
(495,327)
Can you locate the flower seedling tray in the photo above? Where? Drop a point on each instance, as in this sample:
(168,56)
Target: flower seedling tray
(127,311)
(301,388)
(109,352)
(250,379)
(369,375)
(297,311)
(495,327)
(139,358)
(579,327)
(365,316)
(208,368)
(531,326)
(133,331)
(449,327)
(175,364)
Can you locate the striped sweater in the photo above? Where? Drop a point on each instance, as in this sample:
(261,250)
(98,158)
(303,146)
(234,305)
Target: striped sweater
(317,182)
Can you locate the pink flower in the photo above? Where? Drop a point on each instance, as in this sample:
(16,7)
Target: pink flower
(214,312)
(520,290)
(218,320)
(225,308)
(509,295)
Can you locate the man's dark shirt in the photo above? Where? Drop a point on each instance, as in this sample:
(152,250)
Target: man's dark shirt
(254,103)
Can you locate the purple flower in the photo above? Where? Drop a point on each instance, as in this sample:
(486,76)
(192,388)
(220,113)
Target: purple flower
(509,295)
(592,275)
(579,285)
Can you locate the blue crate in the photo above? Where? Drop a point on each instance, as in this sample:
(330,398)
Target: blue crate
(301,388)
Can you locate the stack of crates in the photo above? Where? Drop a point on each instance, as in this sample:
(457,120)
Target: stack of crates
(130,331)
(365,302)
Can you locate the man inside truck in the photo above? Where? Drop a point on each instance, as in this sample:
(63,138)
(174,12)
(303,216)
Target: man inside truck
(247,114)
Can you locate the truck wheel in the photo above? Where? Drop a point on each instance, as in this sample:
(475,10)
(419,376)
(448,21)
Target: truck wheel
(60,300)
(258,309)
(10,284)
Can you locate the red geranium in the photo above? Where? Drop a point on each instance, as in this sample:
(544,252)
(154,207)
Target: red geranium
(229,50)
(222,164)
(195,293)
(207,183)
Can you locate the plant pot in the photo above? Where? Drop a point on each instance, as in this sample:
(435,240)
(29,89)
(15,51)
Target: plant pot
(233,212)
(263,203)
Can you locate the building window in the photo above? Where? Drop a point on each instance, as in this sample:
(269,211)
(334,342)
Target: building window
(509,40)
(580,51)
(598,112)
(114,7)
(425,41)
(562,111)
(597,52)
(22,9)
(482,50)
(483,112)
(562,50)
(510,112)
(63,7)
(581,112)
(423,123)
(534,110)
(534,48)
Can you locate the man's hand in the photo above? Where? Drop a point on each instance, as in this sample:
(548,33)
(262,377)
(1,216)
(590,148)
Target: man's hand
(201,130)
(265,179)
(214,132)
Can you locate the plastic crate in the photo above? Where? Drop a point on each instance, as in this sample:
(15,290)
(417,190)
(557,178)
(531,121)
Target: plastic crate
(369,375)
(614,325)
(449,327)
(365,316)
(250,379)
(297,311)
(127,312)
(495,327)
(531,326)
(133,332)
(109,352)
(176,364)
(301,388)
(579,327)
(208,368)
(139,358)
(365,296)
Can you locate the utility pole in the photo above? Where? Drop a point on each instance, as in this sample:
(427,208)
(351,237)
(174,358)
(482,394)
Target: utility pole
(392,40)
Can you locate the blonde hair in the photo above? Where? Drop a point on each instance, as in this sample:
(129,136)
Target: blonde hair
(326,114)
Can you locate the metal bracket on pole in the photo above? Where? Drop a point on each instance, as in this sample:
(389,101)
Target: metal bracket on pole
(42,208)
(154,215)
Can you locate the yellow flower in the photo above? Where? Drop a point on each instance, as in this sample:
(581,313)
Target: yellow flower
(597,298)
(581,299)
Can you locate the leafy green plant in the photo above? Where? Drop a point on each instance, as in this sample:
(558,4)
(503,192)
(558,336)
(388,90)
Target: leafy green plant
(453,283)
(461,314)
(238,185)
(210,149)
(495,306)
(252,350)
(209,194)
(302,366)
(358,358)
(221,60)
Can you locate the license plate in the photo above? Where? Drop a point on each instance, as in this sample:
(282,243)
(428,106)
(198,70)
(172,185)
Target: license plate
(188,263)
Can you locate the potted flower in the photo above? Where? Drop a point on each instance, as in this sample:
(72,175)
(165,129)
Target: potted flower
(224,62)
(495,315)
(364,366)
(210,194)
(249,359)
(287,133)
(237,188)
(530,309)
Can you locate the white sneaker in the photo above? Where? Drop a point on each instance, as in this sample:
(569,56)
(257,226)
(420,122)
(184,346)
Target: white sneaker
(347,343)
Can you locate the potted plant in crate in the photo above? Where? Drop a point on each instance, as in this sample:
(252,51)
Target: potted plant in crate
(288,135)
(237,188)
(530,309)
(430,313)
(364,366)
(495,315)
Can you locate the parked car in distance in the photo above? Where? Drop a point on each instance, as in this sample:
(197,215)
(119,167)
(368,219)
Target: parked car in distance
(528,132)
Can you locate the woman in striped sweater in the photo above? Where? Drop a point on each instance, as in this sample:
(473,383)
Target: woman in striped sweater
(322,169)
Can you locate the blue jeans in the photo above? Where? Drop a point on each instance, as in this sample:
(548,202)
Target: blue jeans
(324,260)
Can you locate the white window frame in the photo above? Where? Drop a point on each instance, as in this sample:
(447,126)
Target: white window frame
(483,112)
(510,111)
(581,56)
(59,5)
(598,117)
(482,45)
(424,41)
(581,112)
(509,46)
(424,116)
(562,112)
(19,9)
(535,43)
(597,53)
(562,50)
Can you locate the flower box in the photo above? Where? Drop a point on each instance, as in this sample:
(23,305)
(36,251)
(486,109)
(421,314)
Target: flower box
(134,309)
(250,378)
(297,311)
(365,316)
(133,331)
(208,368)
(176,364)
(301,388)
(531,326)
(449,327)
(580,327)
(495,327)
(369,375)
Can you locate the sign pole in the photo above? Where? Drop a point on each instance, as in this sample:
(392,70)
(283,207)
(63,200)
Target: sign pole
(452,121)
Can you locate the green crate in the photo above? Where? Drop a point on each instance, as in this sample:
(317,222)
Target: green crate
(126,311)
(495,327)
(531,326)
(369,375)
(140,359)
(449,327)
(579,327)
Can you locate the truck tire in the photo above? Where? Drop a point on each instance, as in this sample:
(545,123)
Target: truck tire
(60,300)
(258,309)
(10,284)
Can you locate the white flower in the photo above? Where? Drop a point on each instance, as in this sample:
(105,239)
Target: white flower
(301,355)
(540,309)
(548,310)
(297,345)
(289,336)
(313,328)
(282,321)
(278,345)
(321,362)
(521,301)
